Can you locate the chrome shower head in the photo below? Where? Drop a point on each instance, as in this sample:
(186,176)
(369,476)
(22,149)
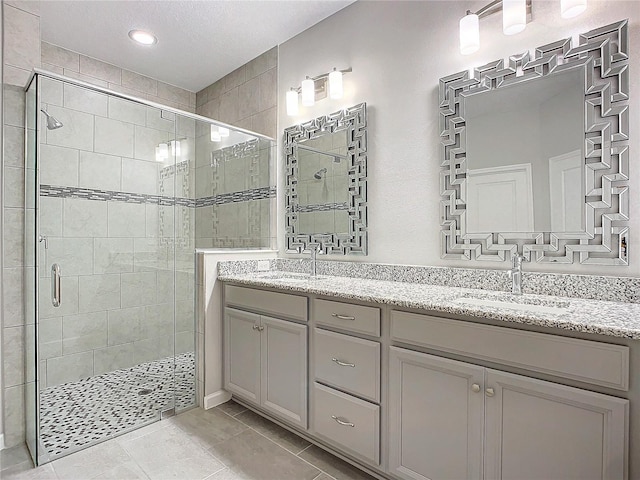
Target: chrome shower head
(52,122)
(319,173)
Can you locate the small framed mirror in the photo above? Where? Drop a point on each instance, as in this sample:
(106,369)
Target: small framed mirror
(535,154)
(326,183)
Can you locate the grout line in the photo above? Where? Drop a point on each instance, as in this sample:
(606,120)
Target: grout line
(305,448)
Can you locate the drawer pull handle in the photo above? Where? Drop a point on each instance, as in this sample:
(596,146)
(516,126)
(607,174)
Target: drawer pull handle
(490,392)
(258,327)
(343,364)
(342,422)
(342,317)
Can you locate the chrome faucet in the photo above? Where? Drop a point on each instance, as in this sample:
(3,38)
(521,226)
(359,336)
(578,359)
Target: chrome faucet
(516,274)
(315,250)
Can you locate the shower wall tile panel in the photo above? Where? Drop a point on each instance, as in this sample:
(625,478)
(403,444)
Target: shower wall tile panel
(69,368)
(61,167)
(99,292)
(103,74)
(245,97)
(96,170)
(84,332)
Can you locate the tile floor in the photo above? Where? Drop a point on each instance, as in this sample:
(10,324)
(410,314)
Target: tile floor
(224,443)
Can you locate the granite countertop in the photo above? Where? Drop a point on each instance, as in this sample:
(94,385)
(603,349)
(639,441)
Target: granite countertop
(615,319)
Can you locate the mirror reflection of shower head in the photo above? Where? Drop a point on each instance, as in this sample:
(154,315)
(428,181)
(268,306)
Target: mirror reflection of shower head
(319,173)
(52,122)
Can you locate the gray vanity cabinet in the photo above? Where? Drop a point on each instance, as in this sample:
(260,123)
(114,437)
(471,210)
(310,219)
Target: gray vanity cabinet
(435,417)
(265,358)
(442,412)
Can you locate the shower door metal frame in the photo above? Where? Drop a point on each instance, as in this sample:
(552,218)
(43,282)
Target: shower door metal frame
(39,455)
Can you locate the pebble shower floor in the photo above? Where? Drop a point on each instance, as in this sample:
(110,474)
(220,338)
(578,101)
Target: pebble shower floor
(77,414)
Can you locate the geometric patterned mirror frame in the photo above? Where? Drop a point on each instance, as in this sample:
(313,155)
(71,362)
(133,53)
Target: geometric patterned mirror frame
(604,55)
(354,122)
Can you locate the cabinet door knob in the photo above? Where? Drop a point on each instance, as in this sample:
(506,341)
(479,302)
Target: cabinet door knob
(343,364)
(261,328)
(490,392)
(342,422)
(256,327)
(475,388)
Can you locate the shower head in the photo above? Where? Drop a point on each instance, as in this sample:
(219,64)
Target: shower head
(52,122)
(319,173)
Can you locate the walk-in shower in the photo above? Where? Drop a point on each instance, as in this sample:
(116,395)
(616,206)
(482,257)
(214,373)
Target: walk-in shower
(119,194)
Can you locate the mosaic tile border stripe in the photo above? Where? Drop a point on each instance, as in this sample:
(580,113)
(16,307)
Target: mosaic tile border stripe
(235,197)
(165,201)
(322,207)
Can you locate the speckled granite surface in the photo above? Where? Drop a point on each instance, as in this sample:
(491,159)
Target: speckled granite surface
(616,319)
(614,289)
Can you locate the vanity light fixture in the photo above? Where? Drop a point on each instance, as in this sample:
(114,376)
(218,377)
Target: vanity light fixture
(572,8)
(308,88)
(514,20)
(315,88)
(218,133)
(162,152)
(175,147)
(142,37)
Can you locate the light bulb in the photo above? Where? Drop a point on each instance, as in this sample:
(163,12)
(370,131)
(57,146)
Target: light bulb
(469,34)
(335,84)
(163,149)
(514,16)
(175,148)
(292,103)
(308,92)
(215,134)
(224,132)
(158,156)
(572,8)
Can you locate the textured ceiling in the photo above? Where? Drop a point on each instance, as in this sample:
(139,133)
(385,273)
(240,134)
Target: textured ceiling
(198,41)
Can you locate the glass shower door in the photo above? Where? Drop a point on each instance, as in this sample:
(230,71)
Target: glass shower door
(106,321)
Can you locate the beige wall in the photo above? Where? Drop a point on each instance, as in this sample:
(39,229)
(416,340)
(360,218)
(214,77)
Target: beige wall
(246,97)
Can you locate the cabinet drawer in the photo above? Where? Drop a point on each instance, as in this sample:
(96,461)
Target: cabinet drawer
(354,318)
(347,421)
(582,360)
(349,363)
(271,303)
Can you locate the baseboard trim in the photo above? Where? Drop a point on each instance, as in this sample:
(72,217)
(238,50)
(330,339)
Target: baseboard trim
(216,398)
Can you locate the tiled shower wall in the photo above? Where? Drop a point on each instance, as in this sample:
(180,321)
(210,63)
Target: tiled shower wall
(21,53)
(71,64)
(246,97)
(100,211)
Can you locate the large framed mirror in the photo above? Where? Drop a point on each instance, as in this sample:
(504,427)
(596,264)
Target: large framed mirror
(535,154)
(326,183)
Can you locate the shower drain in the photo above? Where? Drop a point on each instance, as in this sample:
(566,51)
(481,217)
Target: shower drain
(145,391)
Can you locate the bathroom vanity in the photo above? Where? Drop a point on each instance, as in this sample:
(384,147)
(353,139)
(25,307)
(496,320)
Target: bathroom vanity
(415,381)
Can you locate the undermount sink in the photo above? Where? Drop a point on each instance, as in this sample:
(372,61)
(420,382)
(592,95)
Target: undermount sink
(520,305)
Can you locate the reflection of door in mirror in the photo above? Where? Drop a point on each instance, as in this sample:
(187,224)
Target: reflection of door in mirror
(531,123)
(500,199)
(565,191)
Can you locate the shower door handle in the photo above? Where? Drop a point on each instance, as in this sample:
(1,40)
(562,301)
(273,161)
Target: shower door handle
(55,285)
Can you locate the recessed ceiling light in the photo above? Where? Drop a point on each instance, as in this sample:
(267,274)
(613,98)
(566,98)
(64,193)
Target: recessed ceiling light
(142,37)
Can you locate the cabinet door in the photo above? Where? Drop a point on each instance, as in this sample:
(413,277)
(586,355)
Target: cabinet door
(435,417)
(284,369)
(242,354)
(537,429)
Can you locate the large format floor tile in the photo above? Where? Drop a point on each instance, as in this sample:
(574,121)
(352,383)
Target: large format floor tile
(255,456)
(228,442)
